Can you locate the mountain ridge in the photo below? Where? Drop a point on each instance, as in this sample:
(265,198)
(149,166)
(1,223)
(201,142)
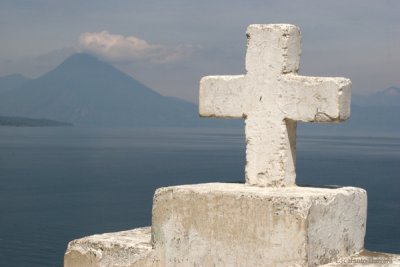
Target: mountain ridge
(86,91)
(29,122)
(12,81)
(387,97)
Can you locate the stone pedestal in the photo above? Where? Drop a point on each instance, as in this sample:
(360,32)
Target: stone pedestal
(240,225)
(222,224)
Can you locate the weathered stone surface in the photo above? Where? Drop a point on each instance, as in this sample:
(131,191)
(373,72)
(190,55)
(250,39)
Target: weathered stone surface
(76,257)
(240,225)
(123,249)
(366,258)
(272,97)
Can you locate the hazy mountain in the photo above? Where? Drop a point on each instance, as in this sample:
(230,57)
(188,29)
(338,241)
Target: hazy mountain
(377,113)
(28,122)
(86,91)
(365,121)
(387,97)
(12,81)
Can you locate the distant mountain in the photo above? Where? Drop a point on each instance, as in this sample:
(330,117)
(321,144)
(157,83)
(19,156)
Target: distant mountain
(88,92)
(12,81)
(377,113)
(387,97)
(28,122)
(85,91)
(365,121)
(374,114)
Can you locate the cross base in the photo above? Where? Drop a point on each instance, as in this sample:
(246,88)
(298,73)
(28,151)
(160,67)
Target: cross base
(324,230)
(221,224)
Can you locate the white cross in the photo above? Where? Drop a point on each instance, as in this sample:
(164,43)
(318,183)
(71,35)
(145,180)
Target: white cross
(272,97)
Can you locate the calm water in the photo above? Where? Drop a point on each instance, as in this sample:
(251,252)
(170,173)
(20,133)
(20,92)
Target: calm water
(58,184)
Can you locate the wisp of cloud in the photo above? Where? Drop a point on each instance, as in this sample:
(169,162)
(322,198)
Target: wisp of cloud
(117,48)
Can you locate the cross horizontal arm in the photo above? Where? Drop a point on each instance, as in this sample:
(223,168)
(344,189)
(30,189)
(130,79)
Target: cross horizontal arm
(314,99)
(222,96)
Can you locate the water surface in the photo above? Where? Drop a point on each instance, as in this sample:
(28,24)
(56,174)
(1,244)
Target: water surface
(58,184)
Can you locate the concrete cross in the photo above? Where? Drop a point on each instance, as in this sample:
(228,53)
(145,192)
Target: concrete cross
(272,97)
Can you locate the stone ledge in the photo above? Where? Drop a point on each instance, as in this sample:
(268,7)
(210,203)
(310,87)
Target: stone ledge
(250,190)
(367,258)
(124,249)
(119,243)
(222,224)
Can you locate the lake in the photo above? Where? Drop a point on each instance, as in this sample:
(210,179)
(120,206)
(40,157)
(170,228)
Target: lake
(59,184)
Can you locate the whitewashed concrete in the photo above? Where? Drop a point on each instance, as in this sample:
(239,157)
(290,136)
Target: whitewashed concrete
(76,259)
(123,249)
(222,224)
(272,97)
(366,259)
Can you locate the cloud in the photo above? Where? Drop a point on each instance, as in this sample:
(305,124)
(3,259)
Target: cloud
(122,49)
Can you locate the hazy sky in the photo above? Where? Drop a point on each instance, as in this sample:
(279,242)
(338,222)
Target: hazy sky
(170,45)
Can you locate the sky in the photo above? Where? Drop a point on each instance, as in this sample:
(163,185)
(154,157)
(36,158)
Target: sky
(170,45)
